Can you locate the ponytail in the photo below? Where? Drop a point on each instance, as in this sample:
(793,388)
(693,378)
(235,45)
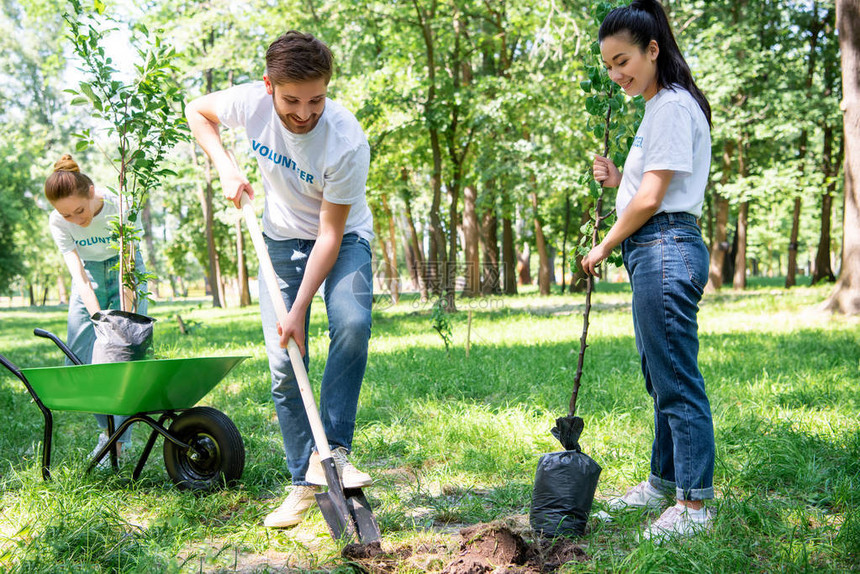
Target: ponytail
(66,181)
(645,20)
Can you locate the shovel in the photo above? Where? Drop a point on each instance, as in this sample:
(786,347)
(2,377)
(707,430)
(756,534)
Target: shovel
(345,510)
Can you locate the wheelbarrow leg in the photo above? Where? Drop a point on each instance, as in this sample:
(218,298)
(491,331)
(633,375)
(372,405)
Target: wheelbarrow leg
(114,462)
(46,444)
(149,444)
(46,412)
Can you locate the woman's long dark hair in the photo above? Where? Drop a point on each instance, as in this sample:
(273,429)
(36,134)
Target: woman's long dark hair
(645,20)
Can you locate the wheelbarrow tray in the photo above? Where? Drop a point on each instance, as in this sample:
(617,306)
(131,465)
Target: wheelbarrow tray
(131,387)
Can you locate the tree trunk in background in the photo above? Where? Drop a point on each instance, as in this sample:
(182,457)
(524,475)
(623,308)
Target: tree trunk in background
(790,279)
(564,244)
(814,30)
(146,223)
(740,278)
(408,253)
(436,262)
(388,274)
(543,256)
(823,270)
(32,294)
(421,264)
(719,244)
(490,283)
(394,272)
(524,263)
(62,293)
(509,256)
(242,266)
(204,193)
(832,163)
(471,234)
(846,295)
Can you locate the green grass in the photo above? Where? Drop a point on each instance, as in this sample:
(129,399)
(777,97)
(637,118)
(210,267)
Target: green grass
(453,440)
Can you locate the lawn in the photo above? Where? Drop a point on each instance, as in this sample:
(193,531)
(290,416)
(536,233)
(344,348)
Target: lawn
(454,440)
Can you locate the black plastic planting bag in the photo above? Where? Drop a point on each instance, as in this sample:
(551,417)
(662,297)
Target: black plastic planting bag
(121,336)
(565,483)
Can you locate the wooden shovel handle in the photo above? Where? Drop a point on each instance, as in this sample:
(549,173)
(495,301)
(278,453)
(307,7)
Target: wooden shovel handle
(268,272)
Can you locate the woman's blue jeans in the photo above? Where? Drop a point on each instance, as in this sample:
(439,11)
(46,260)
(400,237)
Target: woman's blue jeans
(667,262)
(348,296)
(80,335)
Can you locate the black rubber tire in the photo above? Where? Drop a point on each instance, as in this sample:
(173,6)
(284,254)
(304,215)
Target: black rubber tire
(217,458)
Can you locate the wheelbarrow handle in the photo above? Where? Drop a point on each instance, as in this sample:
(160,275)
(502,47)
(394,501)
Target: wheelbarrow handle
(296,359)
(65,349)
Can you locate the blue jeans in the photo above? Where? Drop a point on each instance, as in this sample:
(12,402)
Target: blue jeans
(667,262)
(348,295)
(80,334)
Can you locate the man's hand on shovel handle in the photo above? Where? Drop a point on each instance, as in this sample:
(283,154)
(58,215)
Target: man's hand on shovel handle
(293,327)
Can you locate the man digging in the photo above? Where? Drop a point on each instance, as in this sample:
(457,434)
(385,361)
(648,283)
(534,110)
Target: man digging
(313,158)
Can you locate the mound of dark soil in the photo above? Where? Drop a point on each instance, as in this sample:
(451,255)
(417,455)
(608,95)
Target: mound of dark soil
(498,549)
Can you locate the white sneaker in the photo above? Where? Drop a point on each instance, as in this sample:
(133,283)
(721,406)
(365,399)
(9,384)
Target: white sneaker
(293,509)
(350,476)
(643,495)
(678,520)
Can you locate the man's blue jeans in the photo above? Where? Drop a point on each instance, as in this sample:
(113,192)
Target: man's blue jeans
(348,295)
(667,262)
(80,334)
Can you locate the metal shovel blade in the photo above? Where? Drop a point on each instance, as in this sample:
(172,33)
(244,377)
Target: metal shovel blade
(362,515)
(333,505)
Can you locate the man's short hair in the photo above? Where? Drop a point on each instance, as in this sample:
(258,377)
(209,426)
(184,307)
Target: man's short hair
(297,57)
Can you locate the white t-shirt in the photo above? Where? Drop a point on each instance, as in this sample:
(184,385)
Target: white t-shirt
(300,170)
(673,135)
(91,242)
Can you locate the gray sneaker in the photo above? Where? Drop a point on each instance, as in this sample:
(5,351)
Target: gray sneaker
(643,495)
(678,520)
(349,475)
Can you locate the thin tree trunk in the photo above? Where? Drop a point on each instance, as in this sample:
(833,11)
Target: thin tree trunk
(490,283)
(242,266)
(540,242)
(719,243)
(204,193)
(387,280)
(437,260)
(509,256)
(564,243)
(846,294)
(393,271)
(421,265)
(62,293)
(823,270)
(471,234)
(524,259)
(790,279)
(740,278)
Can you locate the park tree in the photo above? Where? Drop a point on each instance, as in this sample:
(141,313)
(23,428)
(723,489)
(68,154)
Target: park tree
(35,127)
(846,295)
(140,122)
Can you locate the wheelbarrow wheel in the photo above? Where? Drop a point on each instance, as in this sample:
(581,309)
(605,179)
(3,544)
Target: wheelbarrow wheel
(217,454)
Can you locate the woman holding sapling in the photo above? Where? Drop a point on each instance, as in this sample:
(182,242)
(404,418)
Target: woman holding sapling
(660,197)
(81,227)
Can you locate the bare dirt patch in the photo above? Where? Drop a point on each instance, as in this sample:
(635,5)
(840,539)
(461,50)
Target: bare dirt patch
(499,548)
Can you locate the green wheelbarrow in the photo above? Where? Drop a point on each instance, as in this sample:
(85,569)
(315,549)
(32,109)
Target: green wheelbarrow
(203,449)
